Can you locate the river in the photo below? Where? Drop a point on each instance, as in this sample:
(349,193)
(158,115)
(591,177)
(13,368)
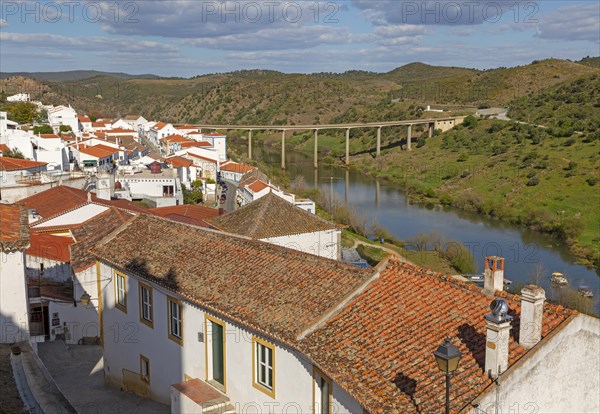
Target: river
(385,202)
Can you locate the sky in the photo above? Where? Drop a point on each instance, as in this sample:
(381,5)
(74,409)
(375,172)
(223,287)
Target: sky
(193,37)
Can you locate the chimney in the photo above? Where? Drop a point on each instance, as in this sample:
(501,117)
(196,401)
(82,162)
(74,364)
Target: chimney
(493,275)
(532,310)
(496,342)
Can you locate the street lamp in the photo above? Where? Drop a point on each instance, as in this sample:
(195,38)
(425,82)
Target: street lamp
(447,357)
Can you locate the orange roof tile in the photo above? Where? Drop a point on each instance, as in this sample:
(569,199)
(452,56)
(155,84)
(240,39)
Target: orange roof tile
(14,227)
(199,144)
(4,148)
(83,118)
(237,168)
(264,287)
(178,162)
(17,164)
(380,347)
(48,136)
(119,131)
(159,125)
(50,247)
(175,138)
(187,213)
(257,186)
(95,151)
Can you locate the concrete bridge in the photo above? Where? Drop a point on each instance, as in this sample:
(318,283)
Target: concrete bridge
(444,124)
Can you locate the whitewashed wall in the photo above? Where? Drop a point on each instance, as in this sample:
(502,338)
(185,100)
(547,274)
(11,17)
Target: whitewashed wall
(320,243)
(14,305)
(125,338)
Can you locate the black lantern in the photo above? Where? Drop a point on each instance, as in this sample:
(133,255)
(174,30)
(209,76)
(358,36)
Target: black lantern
(447,357)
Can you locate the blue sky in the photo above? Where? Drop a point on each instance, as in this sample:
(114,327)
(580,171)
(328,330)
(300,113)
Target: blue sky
(193,37)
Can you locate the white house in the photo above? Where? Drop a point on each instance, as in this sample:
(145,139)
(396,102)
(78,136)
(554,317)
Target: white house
(135,121)
(232,348)
(63,115)
(219,143)
(49,148)
(274,220)
(19,97)
(258,328)
(157,186)
(233,171)
(13,170)
(160,130)
(85,123)
(206,161)
(94,158)
(14,240)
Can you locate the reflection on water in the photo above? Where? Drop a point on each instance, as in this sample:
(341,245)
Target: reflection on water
(522,249)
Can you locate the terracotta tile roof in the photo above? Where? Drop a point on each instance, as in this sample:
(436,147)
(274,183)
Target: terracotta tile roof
(214,134)
(200,144)
(83,118)
(95,151)
(120,131)
(175,138)
(214,161)
(187,213)
(236,167)
(48,136)
(98,125)
(257,186)
(277,291)
(106,148)
(159,125)
(4,148)
(50,247)
(14,227)
(16,164)
(91,232)
(59,199)
(379,348)
(270,216)
(178,162)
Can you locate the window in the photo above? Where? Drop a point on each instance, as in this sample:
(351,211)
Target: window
(145,368)
(263,366)
(322,393)
(120,291)
(146,306)
(175,320)
(167,191)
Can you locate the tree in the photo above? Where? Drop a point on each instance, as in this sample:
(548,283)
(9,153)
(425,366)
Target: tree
(14,153)
(193,196)
(43,129)
(23,112)
(65,128)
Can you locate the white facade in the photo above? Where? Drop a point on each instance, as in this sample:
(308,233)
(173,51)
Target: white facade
(219,143)
(529,386)
(170,362)
(162,190)
(63,115)
(20,97)
(51,151)
(321,243)
(14,308)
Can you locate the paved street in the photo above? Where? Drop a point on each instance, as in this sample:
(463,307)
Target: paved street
(79,374)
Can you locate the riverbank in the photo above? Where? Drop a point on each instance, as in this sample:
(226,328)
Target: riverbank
(516,173)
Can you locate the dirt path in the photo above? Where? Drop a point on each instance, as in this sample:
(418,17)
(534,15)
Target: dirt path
(386,249)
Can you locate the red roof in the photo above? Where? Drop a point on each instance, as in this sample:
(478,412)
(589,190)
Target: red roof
(237,168)
(14,229)
(96,151)
(187,213)
(175,138)
(4,148)
(98,125)
(59,199)
(48,136)
(380,346)
(83,118)
(159,125)
(257,186)
(50,247)
(214,134)
(190,144)
(119,131)
(202,158)
(107,148)
(179,162)
(17,164)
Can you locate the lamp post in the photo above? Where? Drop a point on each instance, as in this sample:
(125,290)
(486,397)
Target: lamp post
(447,357)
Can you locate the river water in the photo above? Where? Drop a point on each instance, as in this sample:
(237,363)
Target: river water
(384,202)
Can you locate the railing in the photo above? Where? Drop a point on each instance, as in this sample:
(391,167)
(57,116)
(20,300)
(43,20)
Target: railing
(134,382)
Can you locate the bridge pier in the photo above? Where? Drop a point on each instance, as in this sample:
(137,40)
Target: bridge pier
(283,149)
(316,160)
(348,146)
(409,139)
(378,151)
(431,127)
(250,144)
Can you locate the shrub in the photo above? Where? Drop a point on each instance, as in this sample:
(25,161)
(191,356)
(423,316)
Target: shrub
(533,182)
(531,174)
(591,181)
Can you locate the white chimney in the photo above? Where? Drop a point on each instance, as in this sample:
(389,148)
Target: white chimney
(532,311)
(105,185)
(498,334)
(493,275)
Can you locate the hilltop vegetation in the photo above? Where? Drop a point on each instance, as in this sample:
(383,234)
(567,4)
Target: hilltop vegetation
(566,108)
(270,97)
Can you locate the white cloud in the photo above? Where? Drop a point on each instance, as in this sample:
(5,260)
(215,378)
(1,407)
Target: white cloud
(572,22)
